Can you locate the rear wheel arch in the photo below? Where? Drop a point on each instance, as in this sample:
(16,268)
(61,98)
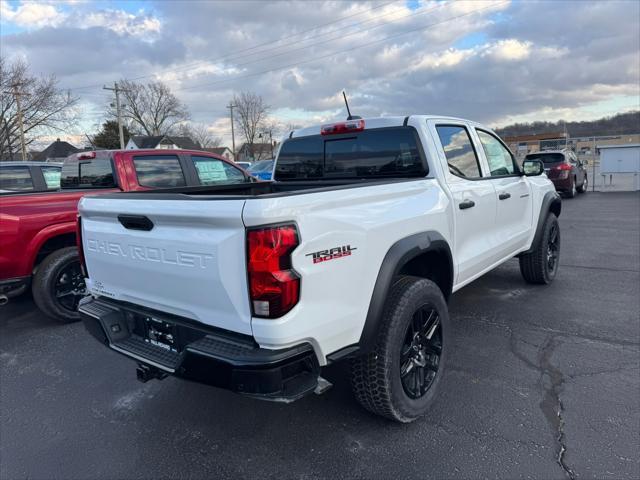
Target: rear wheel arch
(52,244)
(424,255)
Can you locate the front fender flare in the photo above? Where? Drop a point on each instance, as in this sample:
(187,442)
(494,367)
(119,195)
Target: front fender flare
(550,201)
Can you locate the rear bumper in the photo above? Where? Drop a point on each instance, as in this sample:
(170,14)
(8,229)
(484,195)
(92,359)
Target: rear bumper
(212,356)
(562,184)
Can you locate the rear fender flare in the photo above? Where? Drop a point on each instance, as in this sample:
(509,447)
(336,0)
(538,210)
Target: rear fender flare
(41,238)
(399,255)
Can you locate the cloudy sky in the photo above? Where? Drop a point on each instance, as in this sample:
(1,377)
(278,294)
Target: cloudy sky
(495,61)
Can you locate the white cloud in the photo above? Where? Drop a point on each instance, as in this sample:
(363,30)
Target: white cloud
(447,59)
(123,23)
(510,50)
(512,60)
(31,15)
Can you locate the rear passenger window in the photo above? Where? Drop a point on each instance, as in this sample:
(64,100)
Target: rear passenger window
(211,171)
(15,178)
(87,173)
(159,171)
(457,146)
(500,160)
(51,177)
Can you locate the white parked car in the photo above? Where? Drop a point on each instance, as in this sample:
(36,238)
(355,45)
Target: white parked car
(351,253)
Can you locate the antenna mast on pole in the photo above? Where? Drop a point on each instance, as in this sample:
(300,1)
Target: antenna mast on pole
(344,95)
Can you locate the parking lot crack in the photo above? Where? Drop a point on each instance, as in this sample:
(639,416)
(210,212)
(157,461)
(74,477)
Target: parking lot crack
(552,382)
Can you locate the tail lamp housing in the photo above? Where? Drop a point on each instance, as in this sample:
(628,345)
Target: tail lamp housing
(349,126)
(83,264)
(563,169)
(274,286)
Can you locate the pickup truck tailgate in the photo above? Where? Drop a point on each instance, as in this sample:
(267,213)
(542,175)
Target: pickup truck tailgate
(191,262)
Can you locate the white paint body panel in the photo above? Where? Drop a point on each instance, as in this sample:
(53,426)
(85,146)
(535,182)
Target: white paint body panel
(209,282)
(192,263)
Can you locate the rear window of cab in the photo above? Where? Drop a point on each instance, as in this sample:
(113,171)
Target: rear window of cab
(85,173)
(373,153)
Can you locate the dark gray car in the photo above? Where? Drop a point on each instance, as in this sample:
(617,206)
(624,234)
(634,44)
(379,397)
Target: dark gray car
(29,176)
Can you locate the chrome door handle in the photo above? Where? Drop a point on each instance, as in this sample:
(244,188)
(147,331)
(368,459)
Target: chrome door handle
(504,196)
(466,204)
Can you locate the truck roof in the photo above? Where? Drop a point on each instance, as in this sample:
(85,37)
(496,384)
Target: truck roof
(377,122)
(30,164)
(145,151)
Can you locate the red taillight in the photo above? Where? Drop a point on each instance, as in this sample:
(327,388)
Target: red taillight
(86,155)
(342,127)
(83,265)
(563,166)
(274,286)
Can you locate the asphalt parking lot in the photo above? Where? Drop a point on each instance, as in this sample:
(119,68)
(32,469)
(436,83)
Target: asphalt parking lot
(543,382)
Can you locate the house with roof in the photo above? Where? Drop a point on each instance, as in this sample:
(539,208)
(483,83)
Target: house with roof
(161,142)
(56,152)
(252,152)
(222,151)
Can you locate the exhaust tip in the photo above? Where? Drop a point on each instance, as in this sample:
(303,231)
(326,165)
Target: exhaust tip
(3,300)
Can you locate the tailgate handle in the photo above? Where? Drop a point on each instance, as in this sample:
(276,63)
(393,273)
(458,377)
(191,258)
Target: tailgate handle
(135,222)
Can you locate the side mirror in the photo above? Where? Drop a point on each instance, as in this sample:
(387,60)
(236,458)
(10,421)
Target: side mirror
(532,168)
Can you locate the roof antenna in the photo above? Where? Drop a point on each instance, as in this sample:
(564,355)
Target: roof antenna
(350,117)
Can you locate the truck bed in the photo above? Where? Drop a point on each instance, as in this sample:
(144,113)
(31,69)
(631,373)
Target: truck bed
(252,190)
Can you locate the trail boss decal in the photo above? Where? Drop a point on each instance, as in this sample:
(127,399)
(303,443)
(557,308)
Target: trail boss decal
(331,254)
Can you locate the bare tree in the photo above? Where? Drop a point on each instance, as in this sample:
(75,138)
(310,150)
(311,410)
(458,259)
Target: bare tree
(199,133)
(251,117)
(45,107)
(151,108)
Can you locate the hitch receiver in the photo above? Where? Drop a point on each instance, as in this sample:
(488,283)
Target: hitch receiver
(144,373)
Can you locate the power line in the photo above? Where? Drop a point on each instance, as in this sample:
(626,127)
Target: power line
(235,56)
(339,37)
(232,54)
(338,52)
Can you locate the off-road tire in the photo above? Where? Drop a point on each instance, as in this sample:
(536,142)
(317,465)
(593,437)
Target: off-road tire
(534,266)
(44,280)
(375,377)
(585,185)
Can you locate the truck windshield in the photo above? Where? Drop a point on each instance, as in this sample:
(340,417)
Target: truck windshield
(374,153)
(546,157)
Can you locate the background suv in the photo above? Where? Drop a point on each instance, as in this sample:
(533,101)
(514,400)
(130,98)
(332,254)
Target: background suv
(564,169)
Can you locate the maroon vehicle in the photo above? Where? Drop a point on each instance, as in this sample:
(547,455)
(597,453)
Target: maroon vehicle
(38,230)
(564,169)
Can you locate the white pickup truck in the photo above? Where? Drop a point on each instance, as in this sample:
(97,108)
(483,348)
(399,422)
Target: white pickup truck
(352,252)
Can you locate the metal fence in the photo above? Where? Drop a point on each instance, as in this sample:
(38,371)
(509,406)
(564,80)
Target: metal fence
(586,149)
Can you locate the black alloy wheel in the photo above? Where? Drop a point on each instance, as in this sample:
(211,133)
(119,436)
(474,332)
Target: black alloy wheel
(69,286)
(553,249)
(421,351)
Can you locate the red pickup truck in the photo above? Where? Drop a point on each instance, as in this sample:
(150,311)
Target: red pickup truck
(38,230)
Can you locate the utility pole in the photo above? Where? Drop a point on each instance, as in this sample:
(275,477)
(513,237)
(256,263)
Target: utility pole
(231,106)
(117,91)
(17,96)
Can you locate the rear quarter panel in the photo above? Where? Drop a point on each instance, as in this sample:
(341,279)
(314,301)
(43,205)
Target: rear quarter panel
(335,294)
(27,222)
